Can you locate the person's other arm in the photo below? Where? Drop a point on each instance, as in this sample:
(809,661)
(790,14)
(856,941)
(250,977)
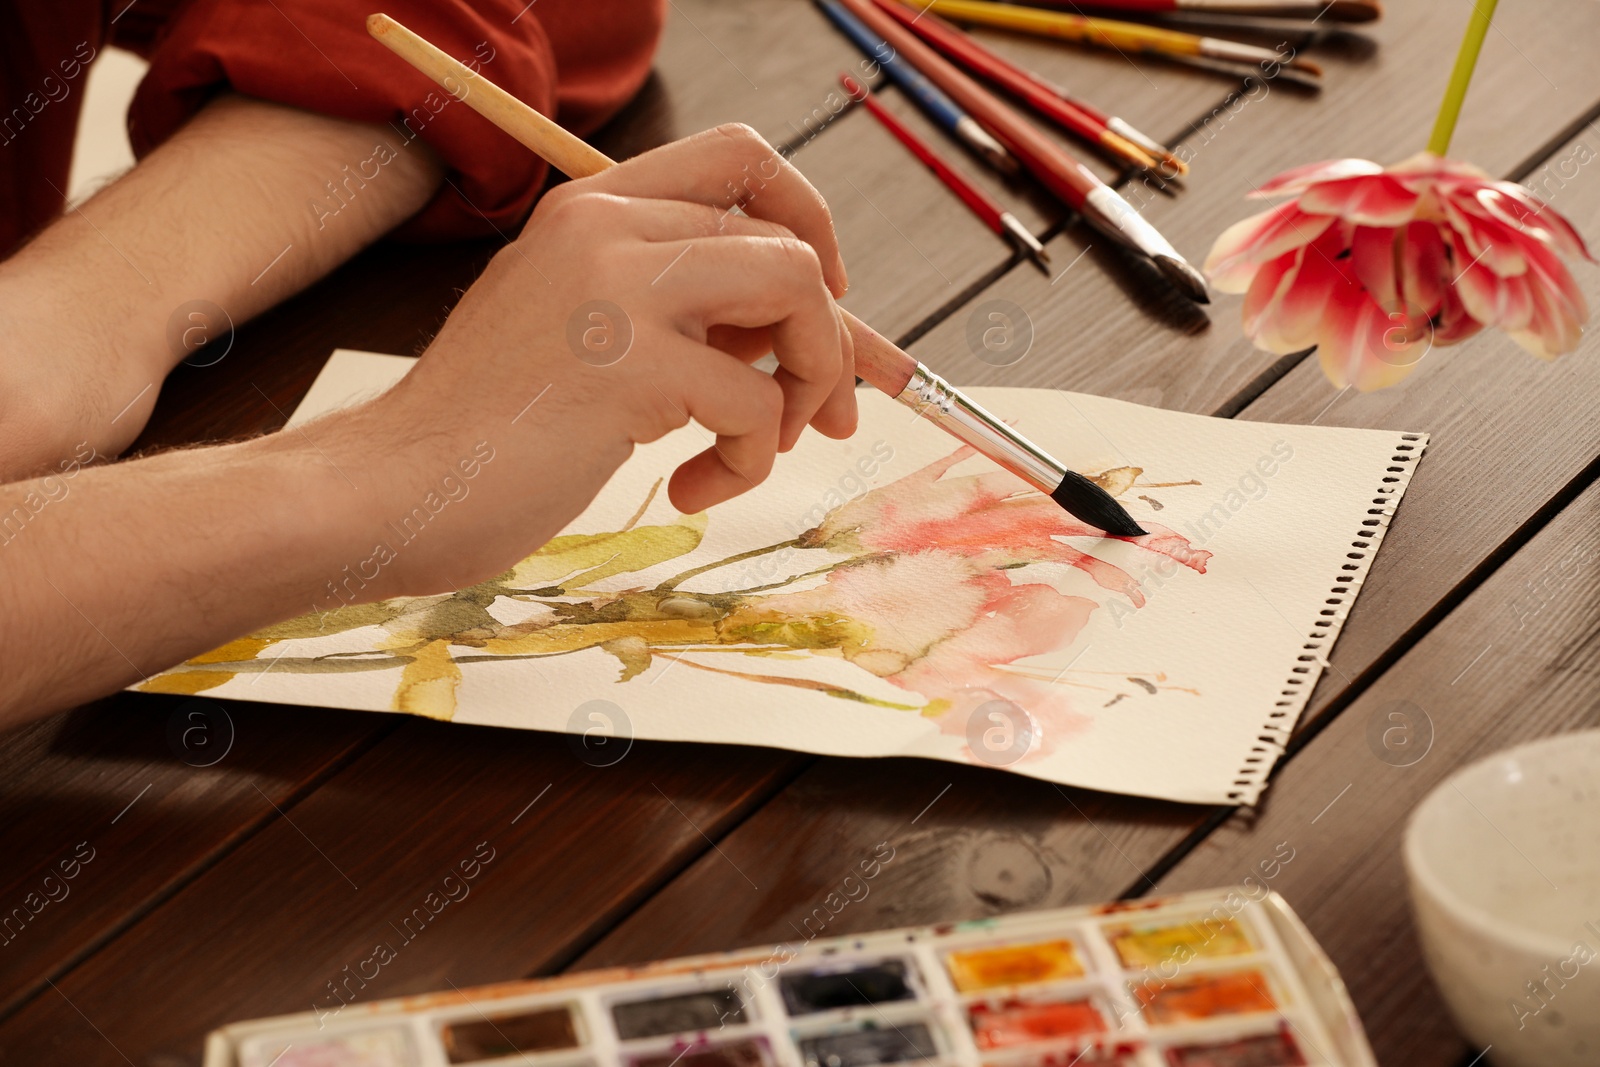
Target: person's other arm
(224,211)
(115,572)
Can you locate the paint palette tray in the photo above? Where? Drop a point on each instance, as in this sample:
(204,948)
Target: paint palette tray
(1212,979)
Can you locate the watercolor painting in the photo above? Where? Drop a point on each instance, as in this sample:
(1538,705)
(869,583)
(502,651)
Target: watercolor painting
(891,594)
(926,585)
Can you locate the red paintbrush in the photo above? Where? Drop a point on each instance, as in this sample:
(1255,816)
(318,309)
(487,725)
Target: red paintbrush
(994,216)
(1051,101)
(1332,10)
(1072,182)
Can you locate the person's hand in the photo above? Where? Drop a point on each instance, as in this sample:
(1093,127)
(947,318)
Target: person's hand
(632,302)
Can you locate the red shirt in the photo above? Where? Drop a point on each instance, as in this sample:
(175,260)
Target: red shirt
(578,61)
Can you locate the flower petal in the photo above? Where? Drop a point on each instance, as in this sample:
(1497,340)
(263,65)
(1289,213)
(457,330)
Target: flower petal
(1453,325)
(1293,322)
(1357,341)
(1368,200)
(1488,240)
(1425,168)
(1530,216)
(1267,288)
(1372,258)
(1558,309)
(1424,269)
(1478,287)
(1298,179)
(1244,246)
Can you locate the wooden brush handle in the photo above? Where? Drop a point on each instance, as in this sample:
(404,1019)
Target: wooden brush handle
(879,362)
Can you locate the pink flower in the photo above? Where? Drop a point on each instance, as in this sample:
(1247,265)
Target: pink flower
(935,602)
(989,518)
(938,623)
(1375,265)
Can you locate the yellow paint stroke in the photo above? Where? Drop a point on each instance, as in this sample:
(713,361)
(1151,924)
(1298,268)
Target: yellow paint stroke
(430,638)
(572,637)
(1117,480)
(576,560)
(428,683)
(799,683)
(188,683)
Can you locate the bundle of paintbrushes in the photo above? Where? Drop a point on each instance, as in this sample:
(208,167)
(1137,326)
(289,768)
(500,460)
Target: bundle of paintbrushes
(891,36)
(1310,10)
(920,49)
(1139,38)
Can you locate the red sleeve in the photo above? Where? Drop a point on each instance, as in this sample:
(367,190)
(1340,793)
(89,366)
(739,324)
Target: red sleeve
(576,60)
(45,50)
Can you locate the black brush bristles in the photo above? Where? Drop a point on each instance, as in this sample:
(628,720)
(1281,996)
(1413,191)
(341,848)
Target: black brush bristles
(1091,503)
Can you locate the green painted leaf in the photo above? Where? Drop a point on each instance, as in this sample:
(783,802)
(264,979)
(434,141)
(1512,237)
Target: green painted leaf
(578,560)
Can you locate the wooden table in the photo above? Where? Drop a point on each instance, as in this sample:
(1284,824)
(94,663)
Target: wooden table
(244,888)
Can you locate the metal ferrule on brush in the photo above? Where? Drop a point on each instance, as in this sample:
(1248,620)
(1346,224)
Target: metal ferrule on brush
(1236,51)
(1143,140)
(1296,8)
(983,142)
(1110,214)
(1022,235)
(1115,217)
(933,398)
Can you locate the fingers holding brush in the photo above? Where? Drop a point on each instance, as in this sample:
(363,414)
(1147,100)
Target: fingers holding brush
(733,166)
(776,283)
(741,406)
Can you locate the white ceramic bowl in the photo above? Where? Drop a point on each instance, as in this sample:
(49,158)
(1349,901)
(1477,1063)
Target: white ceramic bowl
(1503,859)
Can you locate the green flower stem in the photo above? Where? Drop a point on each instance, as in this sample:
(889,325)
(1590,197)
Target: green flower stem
(1444,127)
(673,582)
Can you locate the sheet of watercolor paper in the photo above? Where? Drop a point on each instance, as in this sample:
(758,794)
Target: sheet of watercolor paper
(894,594)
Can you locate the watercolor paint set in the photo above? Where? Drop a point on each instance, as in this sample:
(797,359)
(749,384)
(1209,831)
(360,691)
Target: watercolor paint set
(1210,979)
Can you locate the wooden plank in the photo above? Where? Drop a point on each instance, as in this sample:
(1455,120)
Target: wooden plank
(1507,439)
(767,63)
(1515,662)
(1155,362)
(774,63)
(1119,835)
(911,247)
(562,849)
(967,843)
(1107,326)
(62,772)
(391,298)
(142,793)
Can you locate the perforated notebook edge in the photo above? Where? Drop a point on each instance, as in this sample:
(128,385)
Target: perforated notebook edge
(1276,728)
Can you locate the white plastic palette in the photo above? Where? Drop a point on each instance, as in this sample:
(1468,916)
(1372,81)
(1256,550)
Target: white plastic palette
(1211,979)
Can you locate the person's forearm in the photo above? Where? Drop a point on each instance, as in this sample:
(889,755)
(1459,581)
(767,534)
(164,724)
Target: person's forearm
(122,570)
(243,207)
(111,573)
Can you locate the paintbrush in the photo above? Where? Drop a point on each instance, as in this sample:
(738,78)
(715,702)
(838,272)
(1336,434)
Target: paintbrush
(1315,10)
(988,210)
(928,96)
(1110,33)
(1072,183)
(878,361)
(1048,99)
